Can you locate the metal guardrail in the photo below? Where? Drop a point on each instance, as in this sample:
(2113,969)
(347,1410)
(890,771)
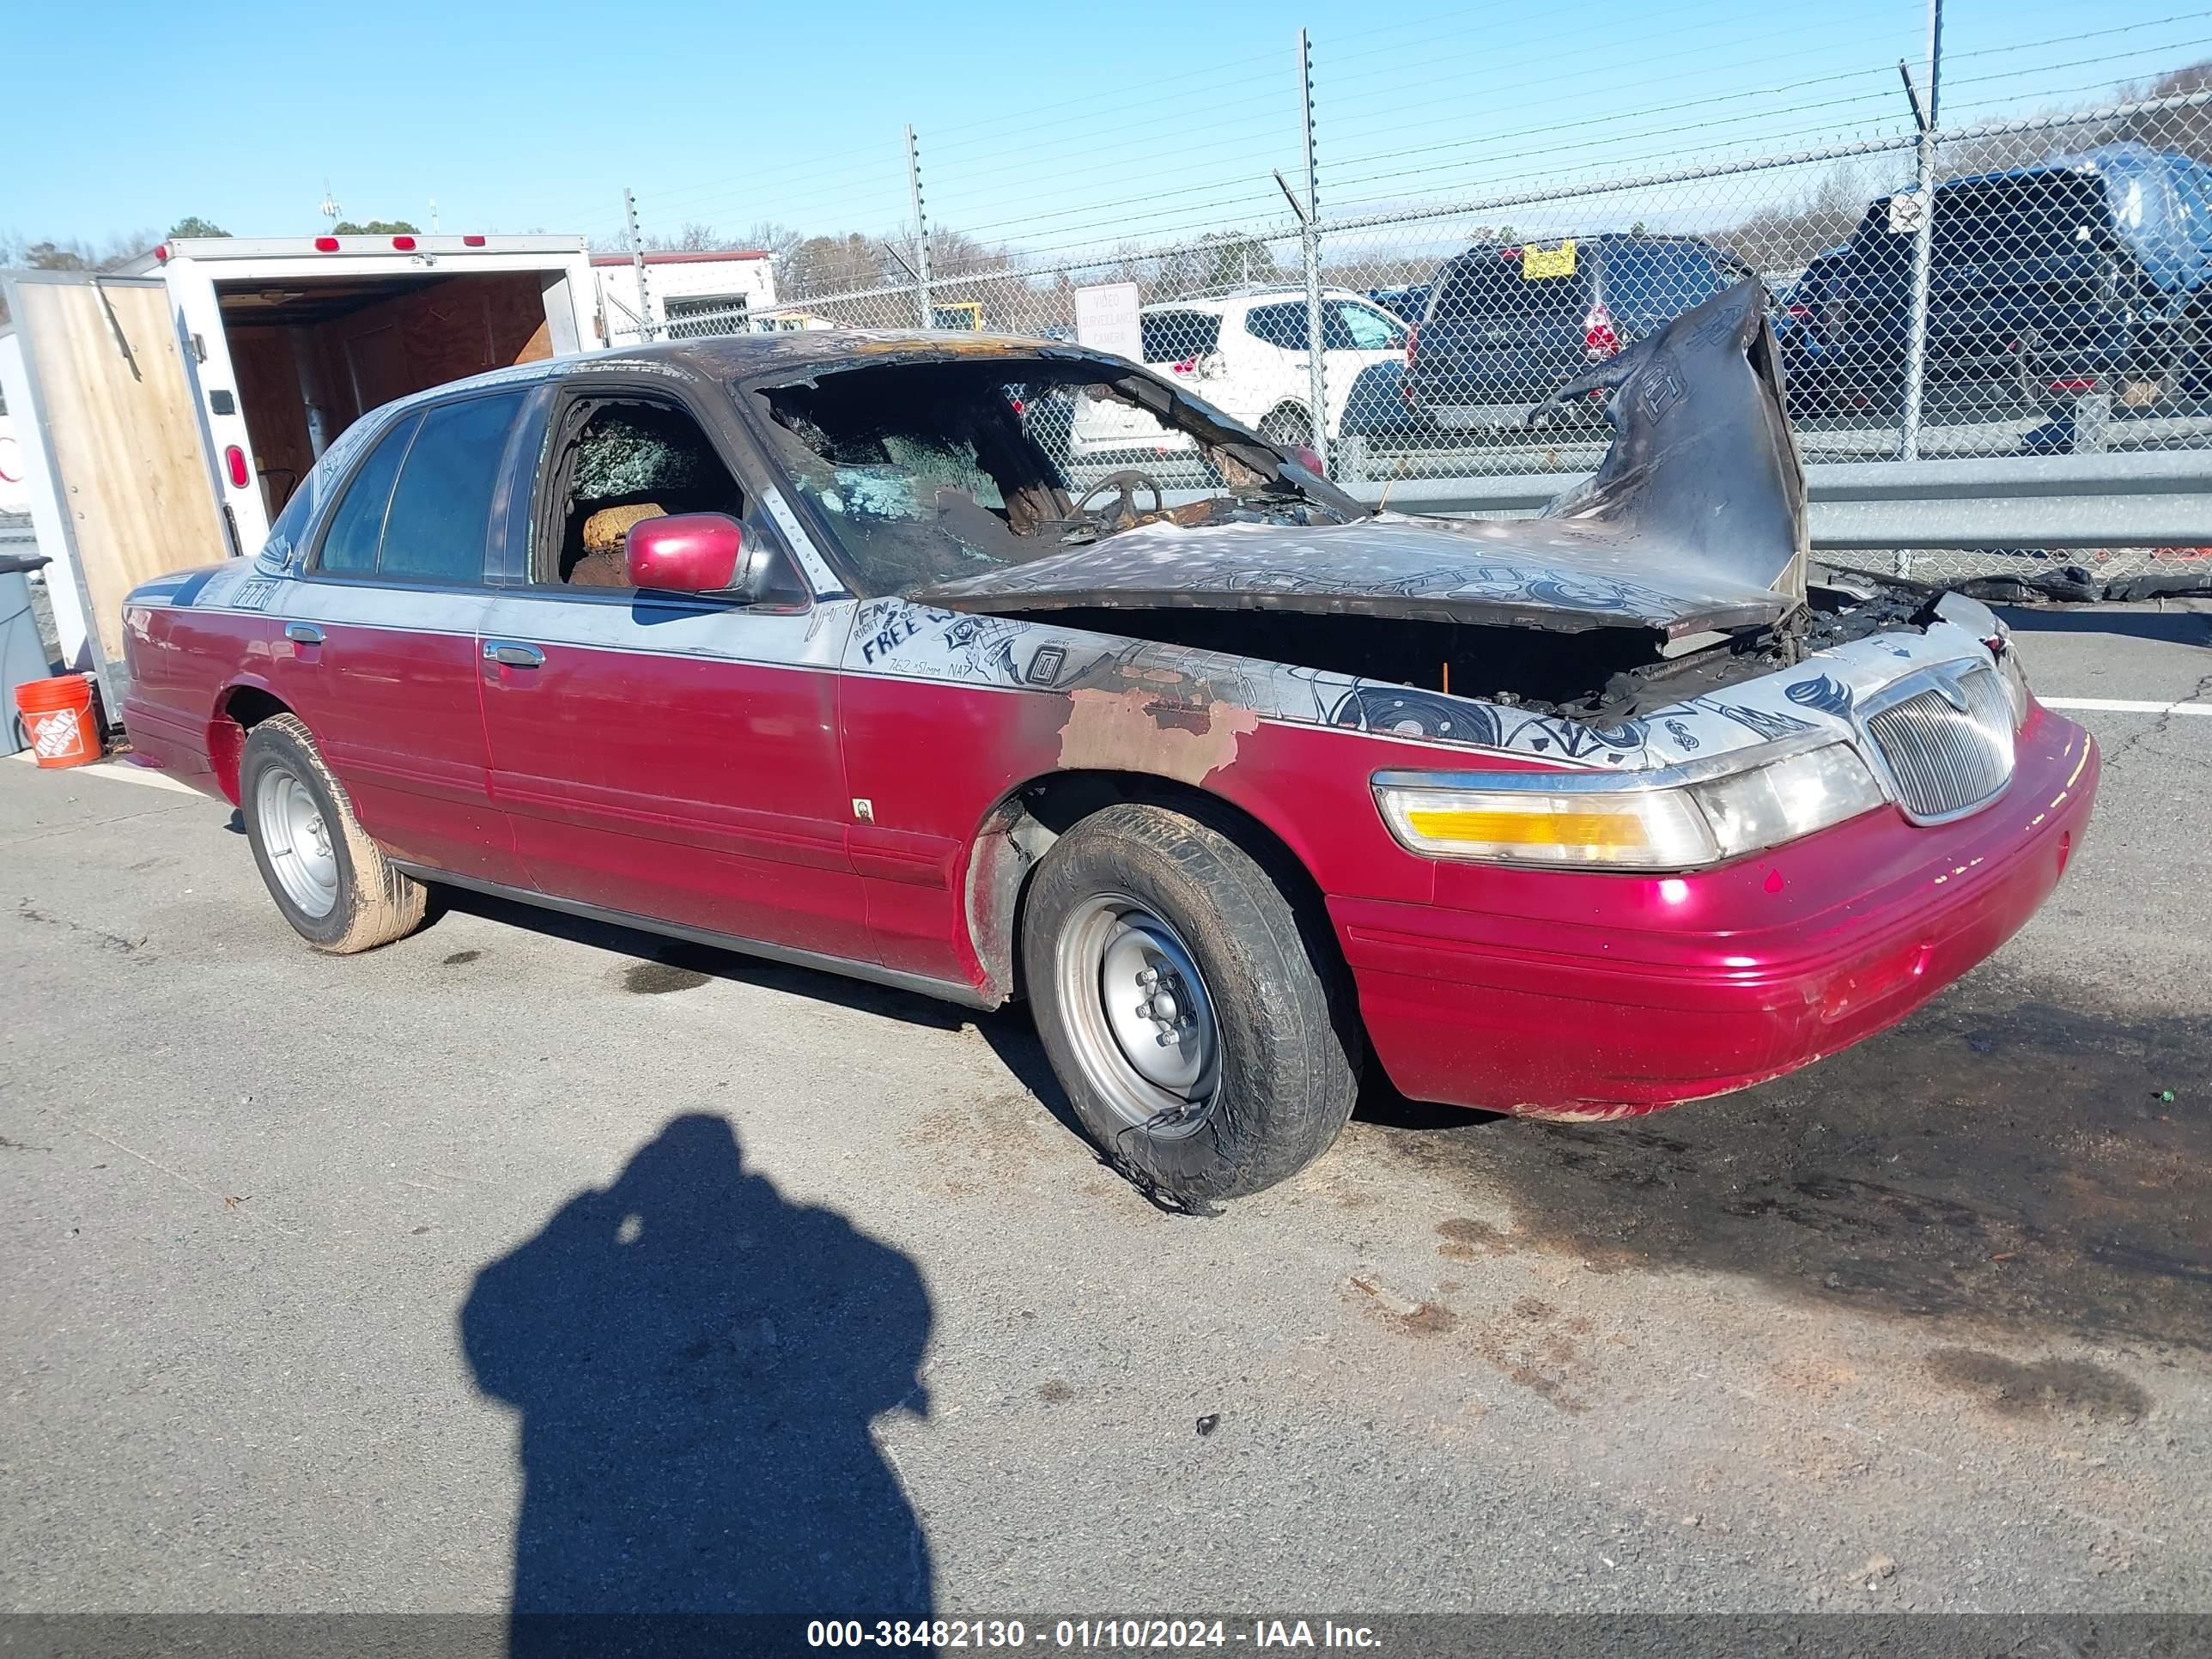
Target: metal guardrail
(2137,500)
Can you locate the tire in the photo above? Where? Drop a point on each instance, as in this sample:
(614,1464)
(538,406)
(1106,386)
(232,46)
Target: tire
(1287,428)
(330,881)
(1266,1045)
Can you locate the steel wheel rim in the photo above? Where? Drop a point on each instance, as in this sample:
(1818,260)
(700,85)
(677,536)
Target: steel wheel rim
(297,839)
(1117,1017)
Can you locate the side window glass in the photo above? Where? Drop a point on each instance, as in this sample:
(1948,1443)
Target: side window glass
(441,510)
(1283,326)
(1176,337)
(350,544)
(630,459)
(1365,330)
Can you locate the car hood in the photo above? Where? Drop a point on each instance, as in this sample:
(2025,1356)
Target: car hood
(1695,521)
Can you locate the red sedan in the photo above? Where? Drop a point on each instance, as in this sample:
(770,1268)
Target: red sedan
(811,646)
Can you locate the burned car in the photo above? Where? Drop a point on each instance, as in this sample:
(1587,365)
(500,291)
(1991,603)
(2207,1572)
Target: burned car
(803,645)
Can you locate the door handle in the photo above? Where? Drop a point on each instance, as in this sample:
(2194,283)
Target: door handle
(514,653)
(303,633)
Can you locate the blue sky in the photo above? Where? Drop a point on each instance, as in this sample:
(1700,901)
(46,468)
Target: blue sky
(1057,128)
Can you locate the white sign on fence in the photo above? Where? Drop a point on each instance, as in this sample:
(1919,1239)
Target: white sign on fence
(1106,319)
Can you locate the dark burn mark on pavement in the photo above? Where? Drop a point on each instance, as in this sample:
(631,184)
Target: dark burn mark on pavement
(2047,1388)
(653,979)
(459,958)
(2004,1157)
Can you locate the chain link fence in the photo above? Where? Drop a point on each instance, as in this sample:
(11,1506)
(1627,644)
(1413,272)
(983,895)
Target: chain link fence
(2030,286)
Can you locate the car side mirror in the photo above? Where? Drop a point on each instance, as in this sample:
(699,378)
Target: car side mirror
(692,553)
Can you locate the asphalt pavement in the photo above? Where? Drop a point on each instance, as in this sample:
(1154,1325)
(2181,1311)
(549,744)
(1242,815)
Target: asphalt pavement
(526,1256)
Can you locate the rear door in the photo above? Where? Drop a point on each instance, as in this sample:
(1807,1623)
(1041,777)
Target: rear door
(127,462)
(377,649)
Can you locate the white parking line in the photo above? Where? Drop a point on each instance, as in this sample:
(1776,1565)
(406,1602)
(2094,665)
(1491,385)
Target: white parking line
(121,770)
(2122,705)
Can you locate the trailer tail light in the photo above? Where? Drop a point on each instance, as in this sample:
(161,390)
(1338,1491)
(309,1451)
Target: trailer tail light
(405,244)
(472,241)
(2078,383)
(326,245)
(1599,341)
(234,462)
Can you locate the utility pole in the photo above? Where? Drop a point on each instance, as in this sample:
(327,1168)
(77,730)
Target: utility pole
(1923,242)
(637,266)
(1310,254)
(927,306)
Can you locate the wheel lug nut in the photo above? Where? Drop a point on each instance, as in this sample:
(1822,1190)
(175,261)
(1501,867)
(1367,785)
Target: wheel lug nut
(1166,1037)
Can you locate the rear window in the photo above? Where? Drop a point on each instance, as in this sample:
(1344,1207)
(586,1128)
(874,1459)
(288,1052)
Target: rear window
(1346,325)
(2030,218)
(1176,336)
(441,509)
(1494,282)
(1657,282)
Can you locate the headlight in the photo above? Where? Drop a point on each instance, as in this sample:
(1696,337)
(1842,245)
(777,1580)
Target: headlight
(1578,822)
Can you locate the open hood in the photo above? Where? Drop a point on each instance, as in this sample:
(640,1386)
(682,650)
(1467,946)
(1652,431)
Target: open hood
(1695,521)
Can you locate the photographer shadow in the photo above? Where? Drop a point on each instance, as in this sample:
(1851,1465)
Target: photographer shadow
(697,1361)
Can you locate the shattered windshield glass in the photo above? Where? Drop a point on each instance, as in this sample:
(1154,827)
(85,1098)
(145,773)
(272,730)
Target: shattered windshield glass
(932,471)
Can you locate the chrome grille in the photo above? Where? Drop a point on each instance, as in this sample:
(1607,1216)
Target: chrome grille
(1943,760)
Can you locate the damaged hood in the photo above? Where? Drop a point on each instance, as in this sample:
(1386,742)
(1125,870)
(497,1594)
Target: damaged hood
(1695,521)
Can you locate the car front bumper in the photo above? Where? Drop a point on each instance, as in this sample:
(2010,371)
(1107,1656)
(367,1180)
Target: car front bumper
(1587,996)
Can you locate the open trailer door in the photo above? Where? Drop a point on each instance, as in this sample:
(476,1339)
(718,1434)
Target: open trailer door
(113,413)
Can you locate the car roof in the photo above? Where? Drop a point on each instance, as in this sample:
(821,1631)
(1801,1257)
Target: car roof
(1595,244)
(768,359)
(1248,296)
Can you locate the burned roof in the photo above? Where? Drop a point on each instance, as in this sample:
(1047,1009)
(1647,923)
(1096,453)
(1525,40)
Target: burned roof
(764,358)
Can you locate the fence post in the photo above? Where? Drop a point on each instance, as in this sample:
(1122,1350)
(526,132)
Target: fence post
(1923,239)
(1309,256)
(920,233)
(637,265)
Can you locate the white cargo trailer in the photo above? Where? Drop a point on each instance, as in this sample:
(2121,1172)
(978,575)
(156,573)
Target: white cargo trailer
(175,404)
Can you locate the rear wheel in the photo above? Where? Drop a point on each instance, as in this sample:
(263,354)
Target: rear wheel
(1197,1016)
(331,882)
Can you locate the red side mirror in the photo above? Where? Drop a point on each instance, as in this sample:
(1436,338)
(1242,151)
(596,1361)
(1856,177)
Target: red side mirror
(684,552)
(1308,457)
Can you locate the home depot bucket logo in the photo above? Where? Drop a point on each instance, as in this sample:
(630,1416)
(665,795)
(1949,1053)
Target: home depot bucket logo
(57,734)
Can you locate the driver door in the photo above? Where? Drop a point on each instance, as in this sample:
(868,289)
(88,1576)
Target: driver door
(669,757)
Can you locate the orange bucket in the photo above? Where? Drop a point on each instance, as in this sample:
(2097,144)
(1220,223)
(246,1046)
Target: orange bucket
(58,715)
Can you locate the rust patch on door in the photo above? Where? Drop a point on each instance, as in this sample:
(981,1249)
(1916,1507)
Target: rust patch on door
(1141,729)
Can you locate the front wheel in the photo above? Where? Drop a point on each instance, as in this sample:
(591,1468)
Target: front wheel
(331,882)
(1197,1016)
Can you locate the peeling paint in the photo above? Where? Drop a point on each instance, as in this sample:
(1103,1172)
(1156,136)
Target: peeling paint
(1138,731)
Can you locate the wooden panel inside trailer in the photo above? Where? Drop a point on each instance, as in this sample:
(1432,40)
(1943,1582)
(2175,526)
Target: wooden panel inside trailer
(339,347)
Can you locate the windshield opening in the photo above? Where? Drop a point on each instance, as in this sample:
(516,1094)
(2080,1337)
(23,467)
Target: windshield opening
(928,471)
